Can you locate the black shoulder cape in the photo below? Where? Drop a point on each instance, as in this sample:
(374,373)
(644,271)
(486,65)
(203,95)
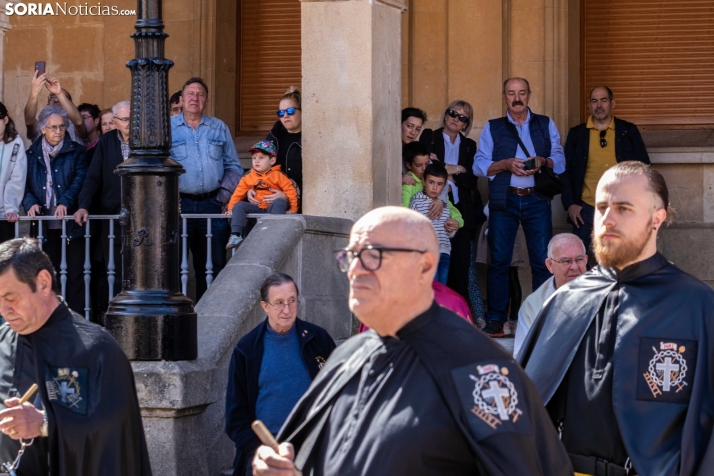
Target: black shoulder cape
(457,355)
(87,387)
(663,313)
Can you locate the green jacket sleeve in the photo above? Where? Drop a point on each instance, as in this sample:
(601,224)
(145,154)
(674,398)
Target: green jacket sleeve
(408,191)
(454,213)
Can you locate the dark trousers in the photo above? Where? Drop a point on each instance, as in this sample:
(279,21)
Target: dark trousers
(197,230)
(585,231)
(74,295)
(533,213)
(460,262)
(100,266)
(241,210)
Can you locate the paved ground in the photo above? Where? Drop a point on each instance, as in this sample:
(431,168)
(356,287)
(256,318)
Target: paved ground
(507,344)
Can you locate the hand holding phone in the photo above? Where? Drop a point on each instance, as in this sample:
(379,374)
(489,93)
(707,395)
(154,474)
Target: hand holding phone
(40,68)
(530,164)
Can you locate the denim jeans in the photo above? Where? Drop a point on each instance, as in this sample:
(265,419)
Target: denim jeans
(533,213)
(442,271)
(197,230)
(586,229)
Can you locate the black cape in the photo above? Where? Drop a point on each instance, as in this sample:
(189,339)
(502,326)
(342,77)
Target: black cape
(87,387)
(663,313)
(456,355)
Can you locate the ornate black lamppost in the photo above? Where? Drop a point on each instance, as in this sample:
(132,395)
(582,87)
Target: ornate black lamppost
(150,318)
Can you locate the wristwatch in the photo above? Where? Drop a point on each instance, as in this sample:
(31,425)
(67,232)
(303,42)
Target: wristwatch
(44,429)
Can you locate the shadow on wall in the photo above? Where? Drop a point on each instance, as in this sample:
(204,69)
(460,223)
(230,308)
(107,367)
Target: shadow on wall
(182,403)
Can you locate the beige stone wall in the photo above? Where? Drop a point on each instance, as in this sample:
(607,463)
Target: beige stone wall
(88,54)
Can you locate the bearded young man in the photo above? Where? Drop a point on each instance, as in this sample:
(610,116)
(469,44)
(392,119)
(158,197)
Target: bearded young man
(623,355)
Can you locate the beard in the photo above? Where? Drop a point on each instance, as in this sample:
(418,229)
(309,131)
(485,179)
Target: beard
(617,255)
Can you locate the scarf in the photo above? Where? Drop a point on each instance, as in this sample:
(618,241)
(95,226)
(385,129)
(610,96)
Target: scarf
(49,152)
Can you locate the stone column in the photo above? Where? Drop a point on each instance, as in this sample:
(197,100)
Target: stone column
(4,26)
(351,63)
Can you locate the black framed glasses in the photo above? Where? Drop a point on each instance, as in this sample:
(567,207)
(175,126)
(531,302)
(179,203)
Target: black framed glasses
(289,111)
(567,262)
(455,114)
(370,256)
(603,142)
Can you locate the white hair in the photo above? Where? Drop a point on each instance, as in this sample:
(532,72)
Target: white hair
(120,104)
(49,111)
(561,239)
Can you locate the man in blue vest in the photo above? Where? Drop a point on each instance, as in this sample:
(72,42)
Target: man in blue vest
(513,200)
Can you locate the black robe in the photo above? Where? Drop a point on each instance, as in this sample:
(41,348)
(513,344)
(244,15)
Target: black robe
(662,394)
(437,361)
(87,387)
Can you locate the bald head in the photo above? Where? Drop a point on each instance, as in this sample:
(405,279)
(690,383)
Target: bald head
(564,240)
(401,252)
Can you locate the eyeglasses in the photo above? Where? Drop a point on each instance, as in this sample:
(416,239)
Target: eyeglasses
(370,257)
(289,111)
(455,114)
(280,305)
(122,119)
(603,142)
(567,262)
(56,129)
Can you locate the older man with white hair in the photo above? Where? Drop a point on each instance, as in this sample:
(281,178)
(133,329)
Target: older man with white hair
(567,259)
(422,392)
(103,188)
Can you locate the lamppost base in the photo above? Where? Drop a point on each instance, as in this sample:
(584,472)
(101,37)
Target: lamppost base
(153,325)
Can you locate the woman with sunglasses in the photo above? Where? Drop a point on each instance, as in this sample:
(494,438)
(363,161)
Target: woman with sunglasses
(450,144)
(286,134)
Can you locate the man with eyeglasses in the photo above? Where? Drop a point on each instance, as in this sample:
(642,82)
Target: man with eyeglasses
(204,146)
(101,192)
(567,259)
(423,391)
(271,368)
(593,147)
(504,156)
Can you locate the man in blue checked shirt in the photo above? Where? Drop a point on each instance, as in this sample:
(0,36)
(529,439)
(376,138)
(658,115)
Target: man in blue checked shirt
(204,146)
(513,200)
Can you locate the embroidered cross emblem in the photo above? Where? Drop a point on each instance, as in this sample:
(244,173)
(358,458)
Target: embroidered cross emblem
(498,393)
(667,367)
(65,390)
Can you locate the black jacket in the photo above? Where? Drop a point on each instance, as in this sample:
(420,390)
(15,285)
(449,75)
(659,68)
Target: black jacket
(69,168)
(470,204)
(455,354)
(87,388)
(101,177)
(289,152)
(666,432)
(628,146)
(242,391)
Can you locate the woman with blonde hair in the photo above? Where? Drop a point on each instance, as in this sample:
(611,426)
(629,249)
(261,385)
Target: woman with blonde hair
(450,144)
(286,134)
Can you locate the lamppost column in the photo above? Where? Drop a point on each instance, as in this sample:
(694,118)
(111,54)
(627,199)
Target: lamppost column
(151,319)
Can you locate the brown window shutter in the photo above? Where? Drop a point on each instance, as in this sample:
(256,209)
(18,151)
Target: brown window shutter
(270,59)
(656,55)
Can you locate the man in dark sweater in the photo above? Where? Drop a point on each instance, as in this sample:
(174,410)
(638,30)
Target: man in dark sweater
(103,184)
(271,368)
(591,149)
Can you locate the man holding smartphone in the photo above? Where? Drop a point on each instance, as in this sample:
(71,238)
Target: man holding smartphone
(77,130)
(513,200)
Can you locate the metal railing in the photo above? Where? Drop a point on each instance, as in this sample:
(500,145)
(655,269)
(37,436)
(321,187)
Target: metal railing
(111,262)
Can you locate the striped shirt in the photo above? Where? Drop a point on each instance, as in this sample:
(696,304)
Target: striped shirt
(421,203)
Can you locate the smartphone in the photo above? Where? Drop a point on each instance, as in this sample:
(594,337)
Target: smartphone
(530,164)
(40,67)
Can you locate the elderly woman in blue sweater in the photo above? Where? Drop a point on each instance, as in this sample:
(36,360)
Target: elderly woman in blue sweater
(271,367)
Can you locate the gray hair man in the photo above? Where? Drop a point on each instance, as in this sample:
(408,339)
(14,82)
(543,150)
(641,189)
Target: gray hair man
(449,397)
(567,259)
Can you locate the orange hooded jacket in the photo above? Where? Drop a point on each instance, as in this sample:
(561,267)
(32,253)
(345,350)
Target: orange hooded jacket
(262,183)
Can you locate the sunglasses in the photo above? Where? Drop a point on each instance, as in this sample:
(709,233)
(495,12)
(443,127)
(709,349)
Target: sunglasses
(603,142)
(289,111)
(455,114)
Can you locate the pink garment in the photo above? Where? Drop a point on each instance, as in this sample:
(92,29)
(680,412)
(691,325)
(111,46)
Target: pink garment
(447,298)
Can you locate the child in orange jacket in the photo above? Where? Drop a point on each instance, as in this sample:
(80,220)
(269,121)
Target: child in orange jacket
(265,178)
